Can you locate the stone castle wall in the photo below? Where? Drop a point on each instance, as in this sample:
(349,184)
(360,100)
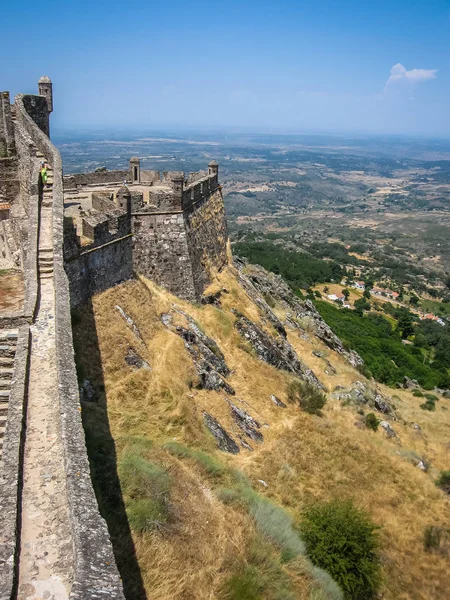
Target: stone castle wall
(206,230)
(95,178)
(160,251)
(103,263)
(95,571)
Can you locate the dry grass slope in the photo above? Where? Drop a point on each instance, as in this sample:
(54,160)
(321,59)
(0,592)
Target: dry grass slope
(302,458)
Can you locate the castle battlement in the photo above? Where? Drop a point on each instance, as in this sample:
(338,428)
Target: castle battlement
(177,223)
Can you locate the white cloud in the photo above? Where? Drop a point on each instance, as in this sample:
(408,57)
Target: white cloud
(400,75)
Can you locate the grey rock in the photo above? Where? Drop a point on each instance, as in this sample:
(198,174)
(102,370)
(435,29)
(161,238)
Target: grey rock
(224,441)
(410,384)
(246,423)
(257,281)
(133,360)
(130,323)
(388,429)
(278,353)
(277,401)
(208,359)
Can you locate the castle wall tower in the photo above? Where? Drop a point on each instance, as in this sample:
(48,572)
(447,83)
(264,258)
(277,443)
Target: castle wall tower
(7,142)
(135,169)
(45,87)
(213,169)
(123,199)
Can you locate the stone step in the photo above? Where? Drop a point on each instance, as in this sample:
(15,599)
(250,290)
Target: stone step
(8,335)
(2,433)
(7,350)
(3,408)
(2,421)
(46,259)
(46,269)
(6,373)
(6,361)
(5,386)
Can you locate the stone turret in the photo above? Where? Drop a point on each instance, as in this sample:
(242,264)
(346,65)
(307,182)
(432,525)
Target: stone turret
(213,168)
(123,198)
(135,169)
(45,87)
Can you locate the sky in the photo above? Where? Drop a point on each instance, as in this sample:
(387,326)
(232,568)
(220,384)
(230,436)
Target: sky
(288,65)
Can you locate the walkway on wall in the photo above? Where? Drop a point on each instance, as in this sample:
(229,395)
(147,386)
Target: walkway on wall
(46,556)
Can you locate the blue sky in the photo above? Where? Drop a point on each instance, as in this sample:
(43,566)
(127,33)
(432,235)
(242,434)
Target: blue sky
(296,66)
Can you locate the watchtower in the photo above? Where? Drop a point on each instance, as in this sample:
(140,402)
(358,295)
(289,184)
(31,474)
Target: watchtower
(45,88)
(213,168)
(135,169)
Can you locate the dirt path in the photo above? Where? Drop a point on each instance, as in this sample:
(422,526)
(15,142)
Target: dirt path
(46,558)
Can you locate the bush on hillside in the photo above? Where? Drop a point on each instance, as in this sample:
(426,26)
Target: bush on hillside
(432,537)
(444,481)
(343,540)
(371,421)
(310,398)
(428,405)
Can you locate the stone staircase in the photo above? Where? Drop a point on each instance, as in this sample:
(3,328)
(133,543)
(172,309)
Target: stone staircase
(45,254)
(8,342)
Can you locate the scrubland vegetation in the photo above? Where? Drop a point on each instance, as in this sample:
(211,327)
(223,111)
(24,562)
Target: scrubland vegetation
(190,521)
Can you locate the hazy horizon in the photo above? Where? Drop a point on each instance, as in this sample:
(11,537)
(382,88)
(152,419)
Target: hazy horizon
(294,65)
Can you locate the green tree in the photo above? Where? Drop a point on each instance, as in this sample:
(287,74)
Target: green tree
(405,324)
(414,300)
(346,293)
(361,305)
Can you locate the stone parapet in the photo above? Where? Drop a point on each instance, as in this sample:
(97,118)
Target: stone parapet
(95,572)
(11,467)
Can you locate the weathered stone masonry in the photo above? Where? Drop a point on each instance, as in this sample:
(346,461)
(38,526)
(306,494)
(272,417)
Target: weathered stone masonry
(94,575)
(178,226)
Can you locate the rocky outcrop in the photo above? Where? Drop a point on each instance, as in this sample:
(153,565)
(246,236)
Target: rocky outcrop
(131,324)
(361,393)
(135,361)
(259,283)
(224,441)
(208,359)
(278,353)
(246,423)
(277,401)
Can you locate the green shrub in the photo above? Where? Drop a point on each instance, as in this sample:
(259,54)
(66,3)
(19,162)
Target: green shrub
(343,540)
(310,398)
(431,397)
(428,405)
(417,394)
(444,481)
(371,421)
(432,537)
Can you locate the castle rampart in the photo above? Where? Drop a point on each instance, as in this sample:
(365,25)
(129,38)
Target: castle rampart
(177,240)
(93,573)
